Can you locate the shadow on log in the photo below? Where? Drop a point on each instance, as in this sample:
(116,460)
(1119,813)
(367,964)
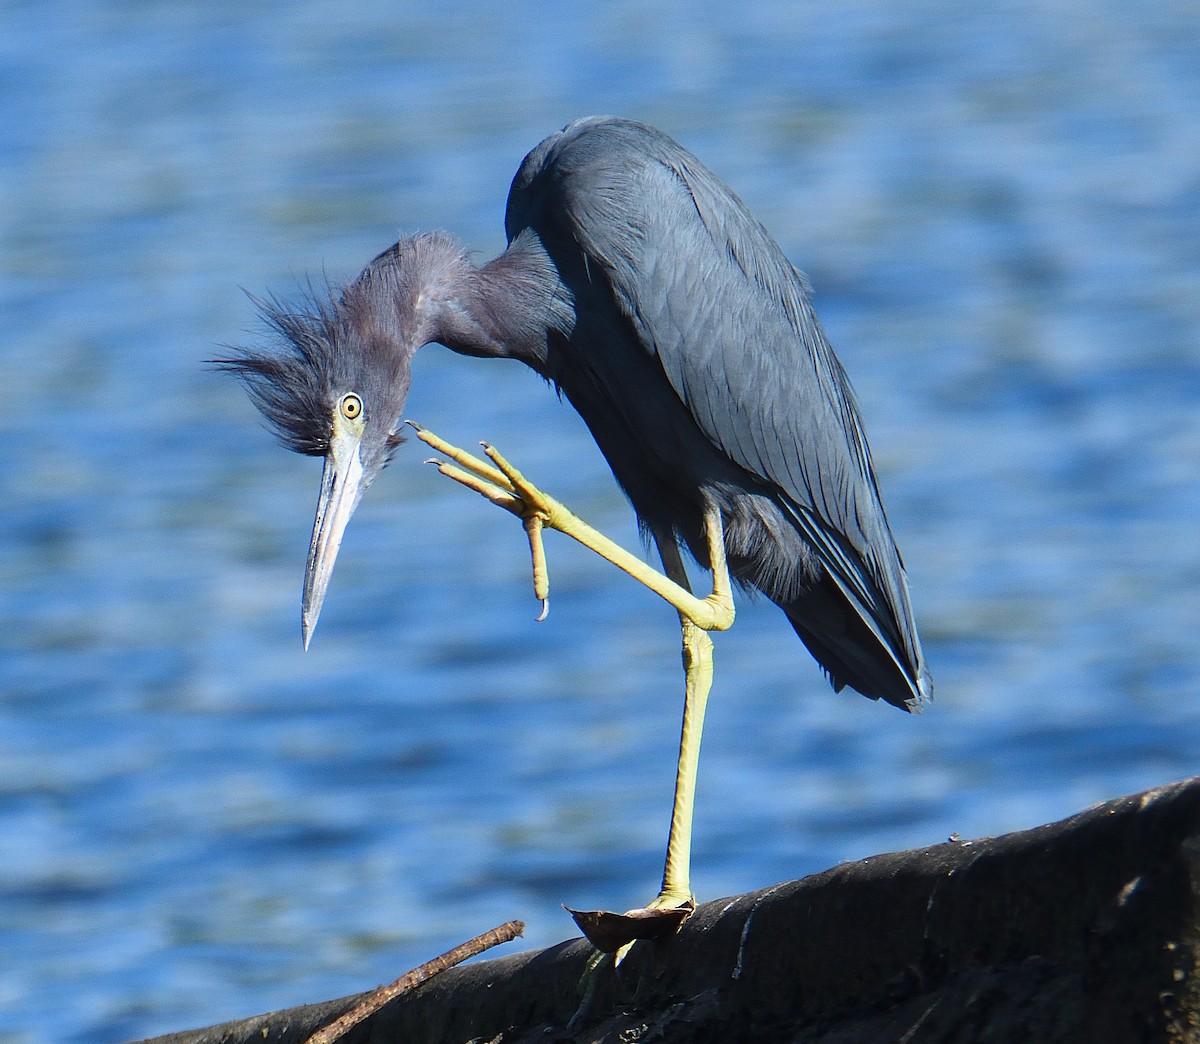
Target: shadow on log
(1083,930)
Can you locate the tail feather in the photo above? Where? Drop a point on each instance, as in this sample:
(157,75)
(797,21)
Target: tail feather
(854,652)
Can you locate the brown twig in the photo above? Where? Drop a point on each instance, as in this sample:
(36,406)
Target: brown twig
(377,998)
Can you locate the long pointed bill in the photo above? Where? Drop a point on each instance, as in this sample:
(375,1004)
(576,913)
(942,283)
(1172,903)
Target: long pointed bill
(341,489)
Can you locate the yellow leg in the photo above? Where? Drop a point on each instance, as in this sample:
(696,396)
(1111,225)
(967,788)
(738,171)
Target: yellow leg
(698,674)
(505,486)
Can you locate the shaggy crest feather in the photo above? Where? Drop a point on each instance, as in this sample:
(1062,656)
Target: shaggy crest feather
(291,380)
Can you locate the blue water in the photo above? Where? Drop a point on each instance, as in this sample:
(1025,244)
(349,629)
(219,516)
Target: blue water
(999,207)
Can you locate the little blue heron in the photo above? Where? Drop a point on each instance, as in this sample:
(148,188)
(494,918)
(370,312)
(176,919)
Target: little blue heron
(643,290)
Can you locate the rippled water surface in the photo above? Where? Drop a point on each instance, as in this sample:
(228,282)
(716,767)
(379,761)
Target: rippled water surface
(1000,210)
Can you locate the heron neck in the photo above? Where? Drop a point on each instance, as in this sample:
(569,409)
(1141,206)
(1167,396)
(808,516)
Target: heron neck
(509,308)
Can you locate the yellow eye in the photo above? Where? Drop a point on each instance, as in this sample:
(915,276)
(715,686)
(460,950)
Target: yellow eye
(351,406)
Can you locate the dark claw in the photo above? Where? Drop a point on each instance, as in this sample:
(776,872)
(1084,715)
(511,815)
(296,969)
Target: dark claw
(608,931)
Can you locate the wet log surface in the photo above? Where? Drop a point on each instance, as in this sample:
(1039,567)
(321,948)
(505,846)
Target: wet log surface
(1082,930)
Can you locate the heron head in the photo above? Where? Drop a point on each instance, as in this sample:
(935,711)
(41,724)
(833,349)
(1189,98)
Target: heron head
(334,384)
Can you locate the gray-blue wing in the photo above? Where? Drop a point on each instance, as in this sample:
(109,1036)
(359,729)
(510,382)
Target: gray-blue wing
(729,319)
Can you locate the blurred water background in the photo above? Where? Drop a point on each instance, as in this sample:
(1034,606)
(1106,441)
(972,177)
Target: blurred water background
(999,207)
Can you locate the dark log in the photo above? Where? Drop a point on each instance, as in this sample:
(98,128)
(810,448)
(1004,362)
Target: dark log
(1082,930)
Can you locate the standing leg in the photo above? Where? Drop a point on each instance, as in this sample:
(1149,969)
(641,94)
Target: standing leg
(698,672)
(615,933)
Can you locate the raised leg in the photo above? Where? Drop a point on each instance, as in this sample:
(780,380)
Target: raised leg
(506,487)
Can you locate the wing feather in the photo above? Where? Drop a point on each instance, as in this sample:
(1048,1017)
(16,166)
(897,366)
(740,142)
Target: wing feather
(712,297)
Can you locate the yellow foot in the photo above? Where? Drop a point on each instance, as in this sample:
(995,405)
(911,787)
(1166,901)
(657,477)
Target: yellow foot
(506,487)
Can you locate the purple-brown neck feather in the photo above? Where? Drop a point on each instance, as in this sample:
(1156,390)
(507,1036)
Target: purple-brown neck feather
(362,338)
